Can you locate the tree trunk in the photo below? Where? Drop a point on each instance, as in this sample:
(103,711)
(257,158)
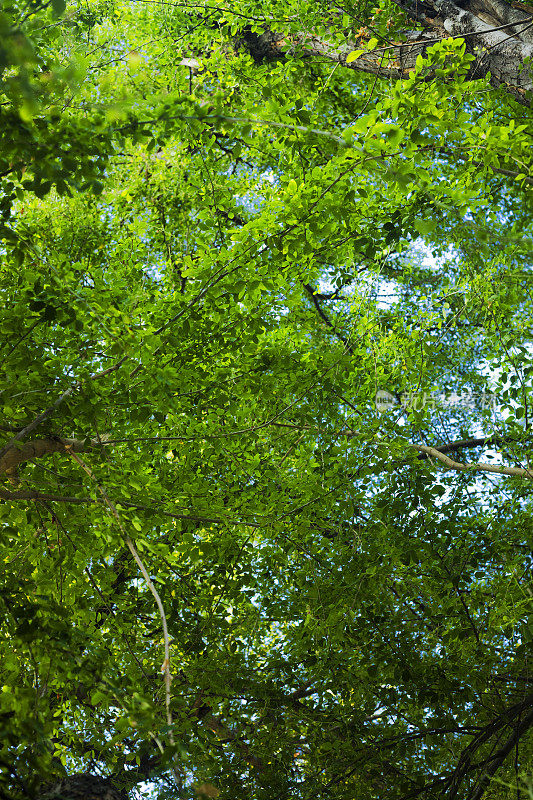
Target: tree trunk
(498,34)
(83,787)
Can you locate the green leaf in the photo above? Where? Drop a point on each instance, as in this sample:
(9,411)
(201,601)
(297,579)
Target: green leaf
(425,226)
(206,289)
(58,7)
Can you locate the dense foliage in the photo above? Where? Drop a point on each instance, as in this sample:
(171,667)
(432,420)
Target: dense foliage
(265,403)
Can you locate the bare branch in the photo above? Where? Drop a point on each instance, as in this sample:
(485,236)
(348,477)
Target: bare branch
(515,472)
(165,669)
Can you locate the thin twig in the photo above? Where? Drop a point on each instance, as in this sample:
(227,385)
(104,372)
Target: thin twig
(165,668)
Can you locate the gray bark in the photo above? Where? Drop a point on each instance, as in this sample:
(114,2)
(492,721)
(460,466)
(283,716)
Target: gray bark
(497,34)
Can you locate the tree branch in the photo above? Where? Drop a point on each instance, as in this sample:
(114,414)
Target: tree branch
(314,297)
(500,49)
(499,757)
(515,472)
(165,669)
(43,447)
(475,442)
(49,411)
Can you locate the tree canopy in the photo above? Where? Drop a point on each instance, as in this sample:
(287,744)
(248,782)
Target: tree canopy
(266,364)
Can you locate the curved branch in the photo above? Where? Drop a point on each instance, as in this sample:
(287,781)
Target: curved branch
(515,472)
(492,730)
(496,761)
(482,441)
(314,297)
(165,668)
